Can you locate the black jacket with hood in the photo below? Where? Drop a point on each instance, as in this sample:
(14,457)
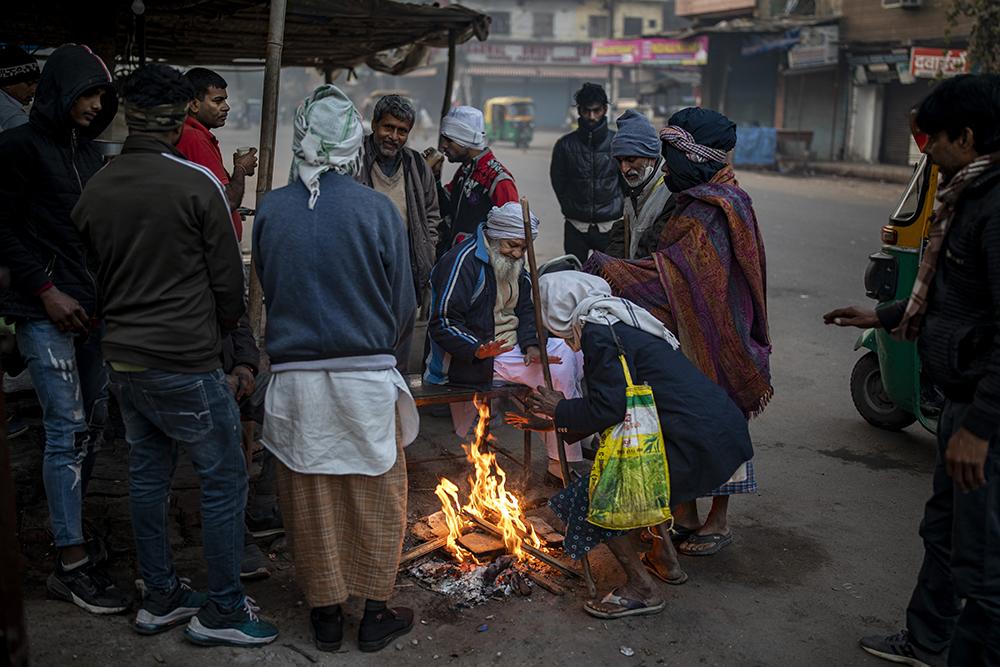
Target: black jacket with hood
(584,175)
(44,166)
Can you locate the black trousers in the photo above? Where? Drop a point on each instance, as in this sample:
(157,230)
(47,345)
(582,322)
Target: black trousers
(961,533)
(580,244)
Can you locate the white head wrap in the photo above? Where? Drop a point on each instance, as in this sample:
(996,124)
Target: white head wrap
(328,136)
(507,222)
(465,126)
(572,298)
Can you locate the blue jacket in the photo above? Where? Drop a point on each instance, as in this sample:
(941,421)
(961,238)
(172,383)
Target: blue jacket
(337,278)
(463,296)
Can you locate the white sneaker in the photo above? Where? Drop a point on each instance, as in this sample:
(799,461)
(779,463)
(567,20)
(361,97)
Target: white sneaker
(13,384)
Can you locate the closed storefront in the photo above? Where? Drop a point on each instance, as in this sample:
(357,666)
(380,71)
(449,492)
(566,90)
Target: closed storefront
(898,100)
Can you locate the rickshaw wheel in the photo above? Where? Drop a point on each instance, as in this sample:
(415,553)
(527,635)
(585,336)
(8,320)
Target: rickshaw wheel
(871,399)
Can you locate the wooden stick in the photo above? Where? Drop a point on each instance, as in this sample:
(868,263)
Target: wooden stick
(540,555)
(546,583)
(536,302)
(426,548)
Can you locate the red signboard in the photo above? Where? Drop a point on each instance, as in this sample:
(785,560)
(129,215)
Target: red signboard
(928,63)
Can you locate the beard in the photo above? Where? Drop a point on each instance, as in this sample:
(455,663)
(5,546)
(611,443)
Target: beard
(635,178)
(506,269)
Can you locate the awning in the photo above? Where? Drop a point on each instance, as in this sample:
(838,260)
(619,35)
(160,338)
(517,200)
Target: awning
(386,35)
(540,71)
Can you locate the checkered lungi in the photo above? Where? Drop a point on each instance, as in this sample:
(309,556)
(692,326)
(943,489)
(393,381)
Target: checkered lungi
(748,485)
(345,531)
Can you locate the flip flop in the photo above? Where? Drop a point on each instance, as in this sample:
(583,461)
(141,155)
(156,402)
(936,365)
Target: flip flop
(679,534)
(673,581)
(717,540)
(626,607)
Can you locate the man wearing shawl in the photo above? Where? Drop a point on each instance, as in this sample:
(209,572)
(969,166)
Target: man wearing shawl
(706,282)
(335,269)
(481,182)
(705,433)
(482,323)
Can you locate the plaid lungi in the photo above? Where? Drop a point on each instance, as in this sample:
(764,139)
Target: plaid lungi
(345,531)
(748,485)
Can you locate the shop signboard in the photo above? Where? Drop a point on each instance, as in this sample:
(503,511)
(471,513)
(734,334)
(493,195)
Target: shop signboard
(654,50)
(699,7)
(615,51)
(817,47)
(928,63)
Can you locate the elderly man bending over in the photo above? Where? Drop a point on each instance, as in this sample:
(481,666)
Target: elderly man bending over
(335,269)
(482,322)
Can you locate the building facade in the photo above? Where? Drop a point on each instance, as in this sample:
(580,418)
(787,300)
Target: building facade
(542,49)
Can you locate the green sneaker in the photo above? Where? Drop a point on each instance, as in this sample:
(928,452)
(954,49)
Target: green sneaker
(162,611)
(212,626)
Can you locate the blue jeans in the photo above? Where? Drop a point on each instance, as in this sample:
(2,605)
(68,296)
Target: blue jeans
(162,410)
(72,387)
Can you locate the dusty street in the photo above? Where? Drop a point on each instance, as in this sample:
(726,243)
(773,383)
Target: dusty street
(828,550)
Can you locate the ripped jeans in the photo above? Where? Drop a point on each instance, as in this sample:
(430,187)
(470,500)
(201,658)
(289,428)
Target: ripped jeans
(72,387)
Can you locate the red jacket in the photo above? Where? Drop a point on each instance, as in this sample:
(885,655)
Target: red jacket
(200,146)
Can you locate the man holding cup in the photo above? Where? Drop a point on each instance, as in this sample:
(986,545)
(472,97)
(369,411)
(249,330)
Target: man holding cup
(206,112)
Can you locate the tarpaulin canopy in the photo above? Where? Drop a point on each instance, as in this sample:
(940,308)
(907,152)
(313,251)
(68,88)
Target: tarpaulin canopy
(386,35)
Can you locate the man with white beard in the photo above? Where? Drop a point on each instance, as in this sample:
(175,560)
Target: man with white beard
(482,324)
(648,203)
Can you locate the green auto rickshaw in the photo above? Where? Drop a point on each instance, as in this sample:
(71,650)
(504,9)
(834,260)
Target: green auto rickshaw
(510,119)
(887,385)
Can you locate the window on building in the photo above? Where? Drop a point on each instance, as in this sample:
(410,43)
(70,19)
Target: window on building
(542,24)
(651,24)
(598,25)
(500,23)
(633,26)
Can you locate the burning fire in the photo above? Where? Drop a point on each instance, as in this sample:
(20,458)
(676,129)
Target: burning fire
(489,498)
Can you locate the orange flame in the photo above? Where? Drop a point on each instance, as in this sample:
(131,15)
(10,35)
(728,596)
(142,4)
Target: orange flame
(489,498)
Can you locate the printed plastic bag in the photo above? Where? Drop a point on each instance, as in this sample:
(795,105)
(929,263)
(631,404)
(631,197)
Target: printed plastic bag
(630,480)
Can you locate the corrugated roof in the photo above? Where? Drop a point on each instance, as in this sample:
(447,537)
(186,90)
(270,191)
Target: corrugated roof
(387,35)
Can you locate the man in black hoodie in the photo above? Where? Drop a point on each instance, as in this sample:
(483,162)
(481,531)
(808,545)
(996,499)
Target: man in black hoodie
(585,176)
(53,298)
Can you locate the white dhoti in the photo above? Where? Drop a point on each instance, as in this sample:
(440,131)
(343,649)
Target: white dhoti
(510,367)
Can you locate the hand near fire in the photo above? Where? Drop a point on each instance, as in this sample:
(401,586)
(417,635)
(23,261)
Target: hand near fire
(534,355)
(493,348)
(543,401)
(522,419)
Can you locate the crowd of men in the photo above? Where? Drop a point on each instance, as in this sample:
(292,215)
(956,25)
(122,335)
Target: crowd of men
(111,293)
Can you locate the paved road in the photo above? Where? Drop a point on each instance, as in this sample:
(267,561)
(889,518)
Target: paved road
(826,552)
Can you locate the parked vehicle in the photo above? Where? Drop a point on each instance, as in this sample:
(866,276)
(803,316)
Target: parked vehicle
(510,119)
(887,385)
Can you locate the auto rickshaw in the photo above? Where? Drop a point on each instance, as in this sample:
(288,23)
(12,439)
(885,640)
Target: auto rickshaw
(887,385)
(510,119)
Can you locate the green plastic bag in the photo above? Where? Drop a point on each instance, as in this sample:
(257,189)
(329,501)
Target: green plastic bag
(630,480)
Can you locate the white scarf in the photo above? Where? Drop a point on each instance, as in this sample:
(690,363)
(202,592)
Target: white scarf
(572,298)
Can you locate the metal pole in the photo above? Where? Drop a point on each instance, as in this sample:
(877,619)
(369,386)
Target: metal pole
(449,83)
(536,301)
(268,126)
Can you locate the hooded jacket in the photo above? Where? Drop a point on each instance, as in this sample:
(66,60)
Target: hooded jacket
(45,166)
(584,175)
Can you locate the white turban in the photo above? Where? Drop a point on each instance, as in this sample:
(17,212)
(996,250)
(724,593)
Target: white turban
(572,298)
(327,137)
(465,126)
(507,222)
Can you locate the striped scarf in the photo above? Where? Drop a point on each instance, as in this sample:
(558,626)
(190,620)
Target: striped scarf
(684,142)
(916,307)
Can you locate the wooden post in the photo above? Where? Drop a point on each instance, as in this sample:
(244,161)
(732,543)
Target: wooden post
(449,83)
(13,630)
(536,301)
(268,127)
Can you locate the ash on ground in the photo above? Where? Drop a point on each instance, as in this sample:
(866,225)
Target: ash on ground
(469,584)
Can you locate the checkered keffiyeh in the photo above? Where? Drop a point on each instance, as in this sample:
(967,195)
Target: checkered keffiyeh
(949,195)
(684,141)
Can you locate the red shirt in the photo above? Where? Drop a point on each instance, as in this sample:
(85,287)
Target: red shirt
(200,146)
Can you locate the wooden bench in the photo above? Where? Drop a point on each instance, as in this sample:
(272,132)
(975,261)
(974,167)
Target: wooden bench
(441,394)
